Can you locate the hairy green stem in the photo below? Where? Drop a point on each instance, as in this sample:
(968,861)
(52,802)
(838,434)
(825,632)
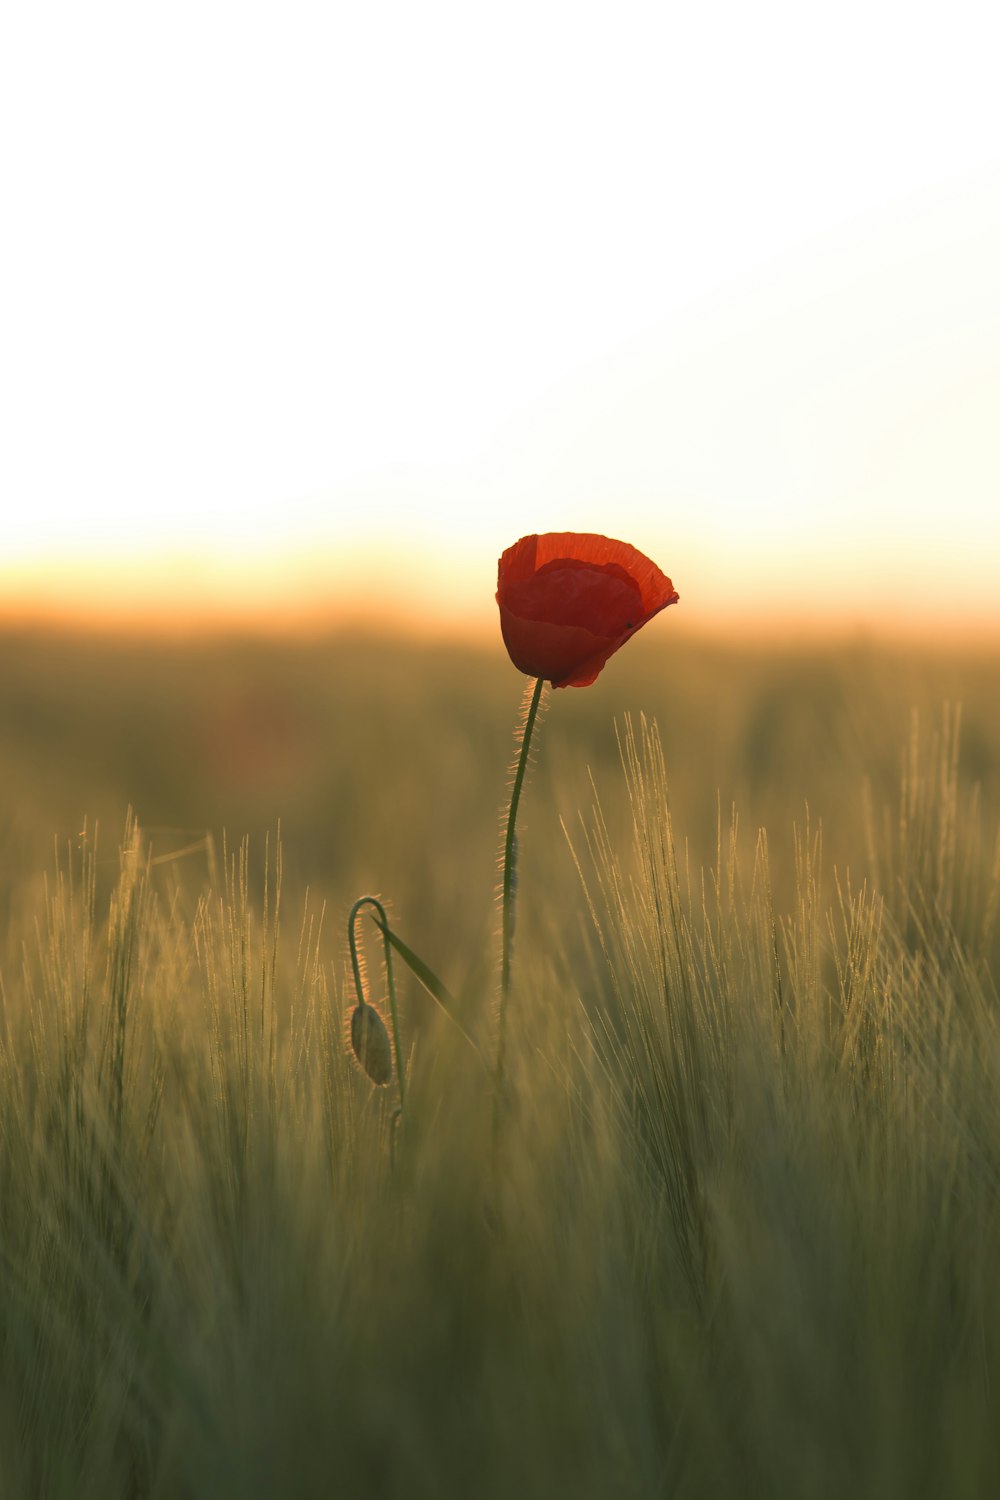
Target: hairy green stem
(510,889)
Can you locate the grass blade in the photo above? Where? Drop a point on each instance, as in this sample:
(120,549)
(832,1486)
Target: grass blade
(428,979)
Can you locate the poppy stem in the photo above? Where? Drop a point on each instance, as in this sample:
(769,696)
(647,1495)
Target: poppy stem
(532,698)
(352,937)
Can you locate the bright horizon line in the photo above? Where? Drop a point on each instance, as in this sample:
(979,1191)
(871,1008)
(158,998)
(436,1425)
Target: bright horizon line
(152,600)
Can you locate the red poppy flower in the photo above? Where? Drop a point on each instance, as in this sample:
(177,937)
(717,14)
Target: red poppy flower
(568,600)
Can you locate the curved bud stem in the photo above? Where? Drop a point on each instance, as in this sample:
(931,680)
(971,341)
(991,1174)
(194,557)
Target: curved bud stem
(382,922)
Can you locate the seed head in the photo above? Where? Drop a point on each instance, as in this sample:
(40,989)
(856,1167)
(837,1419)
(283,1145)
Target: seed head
(370,1042)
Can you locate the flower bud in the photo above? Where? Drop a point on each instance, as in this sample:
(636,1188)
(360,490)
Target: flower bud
(370,1042)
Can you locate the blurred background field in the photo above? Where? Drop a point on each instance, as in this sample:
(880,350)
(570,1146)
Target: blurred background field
(382,763)
(384,759)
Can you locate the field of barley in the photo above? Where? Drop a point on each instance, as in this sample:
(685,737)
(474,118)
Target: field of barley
(738,1231)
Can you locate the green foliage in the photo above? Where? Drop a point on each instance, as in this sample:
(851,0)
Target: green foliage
(741,1233)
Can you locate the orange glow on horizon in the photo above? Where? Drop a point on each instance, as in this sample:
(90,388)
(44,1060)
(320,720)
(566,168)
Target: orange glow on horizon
(397,592)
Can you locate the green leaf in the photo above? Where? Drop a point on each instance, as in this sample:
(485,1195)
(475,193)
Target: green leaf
(428,979)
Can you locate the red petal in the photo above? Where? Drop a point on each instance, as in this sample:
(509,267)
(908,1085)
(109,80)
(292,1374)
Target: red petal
(604,600)
(550,651)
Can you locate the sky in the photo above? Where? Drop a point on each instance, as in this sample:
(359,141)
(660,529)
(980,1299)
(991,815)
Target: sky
(316,308)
